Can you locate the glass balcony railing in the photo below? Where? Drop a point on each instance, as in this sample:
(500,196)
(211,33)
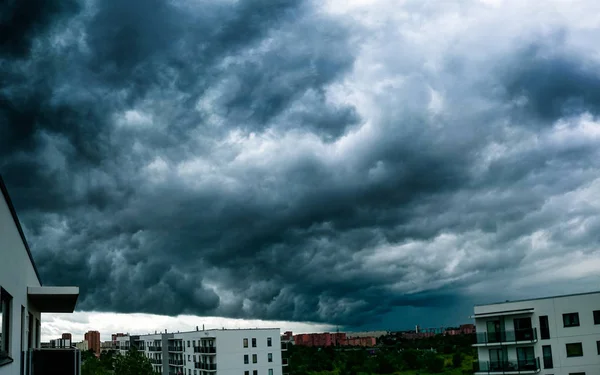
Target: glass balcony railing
(528,365)
(64,361)
(525,334)
(175,348)
(176,362)
(205,349)
(154,348)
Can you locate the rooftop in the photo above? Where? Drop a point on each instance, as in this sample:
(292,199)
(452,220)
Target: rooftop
(540,298)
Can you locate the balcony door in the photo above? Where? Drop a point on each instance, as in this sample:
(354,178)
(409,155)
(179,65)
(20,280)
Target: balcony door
(523,329)
(493,330)
(497,359)
(526,358)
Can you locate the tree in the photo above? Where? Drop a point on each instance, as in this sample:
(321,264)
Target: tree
(92,366)
(132,363)
(87,354)
(107,358)
(457,359)
(435,364)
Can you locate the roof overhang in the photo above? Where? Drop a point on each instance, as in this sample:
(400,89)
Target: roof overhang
(53,299)
(502,313)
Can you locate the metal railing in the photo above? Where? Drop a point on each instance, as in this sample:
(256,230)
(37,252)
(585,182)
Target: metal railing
(526,365)
(156,361)
(284,361)
(205,349)
(175,348)
(525,334)
(176,362)
(54,361)
(152,348)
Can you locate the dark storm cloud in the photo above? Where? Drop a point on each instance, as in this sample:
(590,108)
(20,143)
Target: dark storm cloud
(268,160)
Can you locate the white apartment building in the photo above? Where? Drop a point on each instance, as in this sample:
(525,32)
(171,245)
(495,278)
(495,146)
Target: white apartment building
(22,301)
(553,336)
(214,352)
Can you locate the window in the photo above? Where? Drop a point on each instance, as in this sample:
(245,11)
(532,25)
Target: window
(195,373)
(547,353)
(574,349)
(270,357)
(596,316)
(254,372)
(5,305)
(189,358)
(269,341)
(254,343)
(194,343)
(189,372)
(544,327)
(270,371)
(245,343)
(246,372)
(577,373)
(188,343)
(246,359)
(598,347)
(254,358)
(571,320)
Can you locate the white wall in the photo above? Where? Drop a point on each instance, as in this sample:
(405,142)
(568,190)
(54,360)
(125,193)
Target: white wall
(230,350)
(16,274)
(587,333)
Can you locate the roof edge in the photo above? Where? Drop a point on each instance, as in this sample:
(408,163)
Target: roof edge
(13,213)
(539,298)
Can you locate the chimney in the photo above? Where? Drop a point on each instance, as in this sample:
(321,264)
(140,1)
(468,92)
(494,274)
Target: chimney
(165,330)
(196,328)
(203,327)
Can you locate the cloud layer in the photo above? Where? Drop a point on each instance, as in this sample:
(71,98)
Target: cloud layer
(299,160)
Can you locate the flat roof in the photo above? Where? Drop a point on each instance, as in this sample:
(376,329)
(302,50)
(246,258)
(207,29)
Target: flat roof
(13,212)
(54,299)
(539,298)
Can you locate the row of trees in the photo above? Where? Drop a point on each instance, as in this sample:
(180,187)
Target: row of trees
(433,355)
(111,362)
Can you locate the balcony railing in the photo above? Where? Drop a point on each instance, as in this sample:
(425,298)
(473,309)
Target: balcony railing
(284,361)
(176,362)
(284,346)
(525,334)
(64,361)
(156,361)
(206,366)
(205,349)
(154,348)
(175,348)
(527,366)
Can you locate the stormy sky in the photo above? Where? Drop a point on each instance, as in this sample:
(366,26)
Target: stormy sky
(363,164)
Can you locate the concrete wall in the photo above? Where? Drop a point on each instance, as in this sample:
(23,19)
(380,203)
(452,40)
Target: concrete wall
(587,333)
(16,274)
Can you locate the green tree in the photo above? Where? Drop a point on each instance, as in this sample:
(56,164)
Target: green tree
(434,364)
(457,359)
(107,358)
(410,358)
(86,354)
(92,366)
(132,363)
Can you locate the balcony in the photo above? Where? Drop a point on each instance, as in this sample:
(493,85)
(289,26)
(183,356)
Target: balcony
(176,362)
(526,335)
(206,366)
(284,346)
(154,348)
(64,361)
(156,361)
(284,361)
(176,349)
(205,349)
(530,366)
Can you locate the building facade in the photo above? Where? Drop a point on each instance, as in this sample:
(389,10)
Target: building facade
(93,339)
(23,299)
(553,336)
(212,352)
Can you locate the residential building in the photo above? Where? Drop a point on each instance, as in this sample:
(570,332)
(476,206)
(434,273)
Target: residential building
(67,336)
(332,339)
(82,346)
(221,351)
(23,299)
(554,335)
(60,343)
(93,339)
(106,345)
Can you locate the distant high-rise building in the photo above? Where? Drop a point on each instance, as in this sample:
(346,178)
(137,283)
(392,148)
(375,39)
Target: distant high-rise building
(93,339)
(67,336)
